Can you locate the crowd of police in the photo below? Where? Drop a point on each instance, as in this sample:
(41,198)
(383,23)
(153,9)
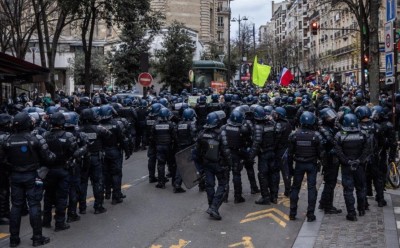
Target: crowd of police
(50,150)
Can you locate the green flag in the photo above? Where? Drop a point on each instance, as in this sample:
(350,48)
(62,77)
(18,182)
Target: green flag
(260,73)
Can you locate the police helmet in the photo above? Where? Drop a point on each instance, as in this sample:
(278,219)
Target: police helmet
(236,118)
(281,112)
(51,110)
(236,98)
(212,120)
(349,122)
(202,99)
(215,97)
(96,101)
(22,121)
(107,112)
(307,119)
(88,115)
(57,119)
(363,112)
(305,102)
(164,102)
(188,114)
(268,109)
(290,100)
(228,98)
(155,109)
(71,119)
(165,113)
(377,112)
(259,113)
(84,101)
(328,115)
(264,98)
(116,106)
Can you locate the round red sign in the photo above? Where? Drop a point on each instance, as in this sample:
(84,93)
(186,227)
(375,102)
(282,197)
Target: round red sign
(145,79)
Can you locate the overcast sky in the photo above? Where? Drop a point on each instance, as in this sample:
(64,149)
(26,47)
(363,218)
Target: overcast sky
(257,11)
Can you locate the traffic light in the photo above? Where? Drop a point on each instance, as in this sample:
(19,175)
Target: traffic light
(366,60)
(314,27)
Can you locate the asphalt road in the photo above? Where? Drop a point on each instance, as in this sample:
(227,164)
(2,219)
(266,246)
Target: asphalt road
(151,217)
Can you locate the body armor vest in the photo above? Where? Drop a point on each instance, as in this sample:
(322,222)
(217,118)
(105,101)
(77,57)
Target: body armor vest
(184,133)
(306,151)
(211,145)
(113,127)
(95,144)
(234,137)
(351,144)
(268,137)
(57,143)
(163,133)
(21,152)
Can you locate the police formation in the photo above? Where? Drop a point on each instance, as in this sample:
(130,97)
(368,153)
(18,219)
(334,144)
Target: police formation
(51,150)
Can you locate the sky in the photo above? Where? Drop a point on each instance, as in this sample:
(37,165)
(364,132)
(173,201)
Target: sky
(257,11)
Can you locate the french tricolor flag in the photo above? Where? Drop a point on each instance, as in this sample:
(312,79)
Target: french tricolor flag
(286,77)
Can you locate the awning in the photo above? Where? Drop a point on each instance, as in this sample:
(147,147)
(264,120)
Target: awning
(13,69)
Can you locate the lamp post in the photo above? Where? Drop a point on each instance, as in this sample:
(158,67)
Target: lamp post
(239,20)
(229,42)
(33,50)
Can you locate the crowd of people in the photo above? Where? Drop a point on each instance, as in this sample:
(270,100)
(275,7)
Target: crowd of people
(50,148)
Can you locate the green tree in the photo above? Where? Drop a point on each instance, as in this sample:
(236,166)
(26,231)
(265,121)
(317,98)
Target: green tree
(176,57)
(139,26)
(98,69)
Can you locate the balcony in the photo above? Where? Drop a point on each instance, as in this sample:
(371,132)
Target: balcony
(343,50)
(223,10)
(220,26)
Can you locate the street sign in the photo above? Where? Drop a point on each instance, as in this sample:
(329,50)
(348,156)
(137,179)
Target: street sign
(389,64)
(389,37)
(389,80)
(391,10)
(145,79)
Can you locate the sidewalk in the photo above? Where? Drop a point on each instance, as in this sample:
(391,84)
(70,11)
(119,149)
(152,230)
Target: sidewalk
(376,229)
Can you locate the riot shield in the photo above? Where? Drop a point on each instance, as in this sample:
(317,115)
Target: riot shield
(187,168)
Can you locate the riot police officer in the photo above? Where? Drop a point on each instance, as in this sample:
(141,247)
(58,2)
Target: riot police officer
(376,141)
(285,128)
(63,145)
(214,105)
(151,152)
(163,138)
(71,125)
(97,135)
(141,125)
(113,147)
(329,160)
(213,158)
(388,152)
(5,126)
(352,149)
(305,148)
(266,137)
(186,134)
(25,153)
(201,111)
(233,134)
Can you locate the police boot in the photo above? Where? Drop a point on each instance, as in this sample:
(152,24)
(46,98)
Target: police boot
(73,217)
(153,179)
(213,213)
(100,210)
(351,217)
(292,214)
(238,193)
(265,196)
(311,217)
(15,241)
(332,210)
(61,227)
(179,190)
(40,240)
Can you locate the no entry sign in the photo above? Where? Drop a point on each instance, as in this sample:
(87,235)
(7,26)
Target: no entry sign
(145,79)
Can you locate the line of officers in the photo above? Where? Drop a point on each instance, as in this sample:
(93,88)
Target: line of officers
(60,157)
(229,137)
(47,155)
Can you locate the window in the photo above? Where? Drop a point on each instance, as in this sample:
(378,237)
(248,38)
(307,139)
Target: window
(220,21)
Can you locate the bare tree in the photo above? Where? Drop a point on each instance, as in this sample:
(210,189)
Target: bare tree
(17,23)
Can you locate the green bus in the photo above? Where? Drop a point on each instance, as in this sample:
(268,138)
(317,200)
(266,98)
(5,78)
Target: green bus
(209,73)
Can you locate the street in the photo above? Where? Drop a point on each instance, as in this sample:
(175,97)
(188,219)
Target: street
(151,217)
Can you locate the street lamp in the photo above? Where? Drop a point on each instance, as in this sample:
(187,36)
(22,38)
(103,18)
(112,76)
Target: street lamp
(33,50)
(239,20)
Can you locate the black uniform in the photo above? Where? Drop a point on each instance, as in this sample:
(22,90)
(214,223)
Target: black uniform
(63,145)
(305,148)
(25,153)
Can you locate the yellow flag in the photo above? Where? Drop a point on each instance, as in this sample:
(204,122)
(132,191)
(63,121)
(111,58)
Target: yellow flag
(260,73)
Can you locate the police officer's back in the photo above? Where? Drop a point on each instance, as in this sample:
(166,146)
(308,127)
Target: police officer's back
(305,147)
(352,148)
(25,153)
(63,145)
(214,160)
